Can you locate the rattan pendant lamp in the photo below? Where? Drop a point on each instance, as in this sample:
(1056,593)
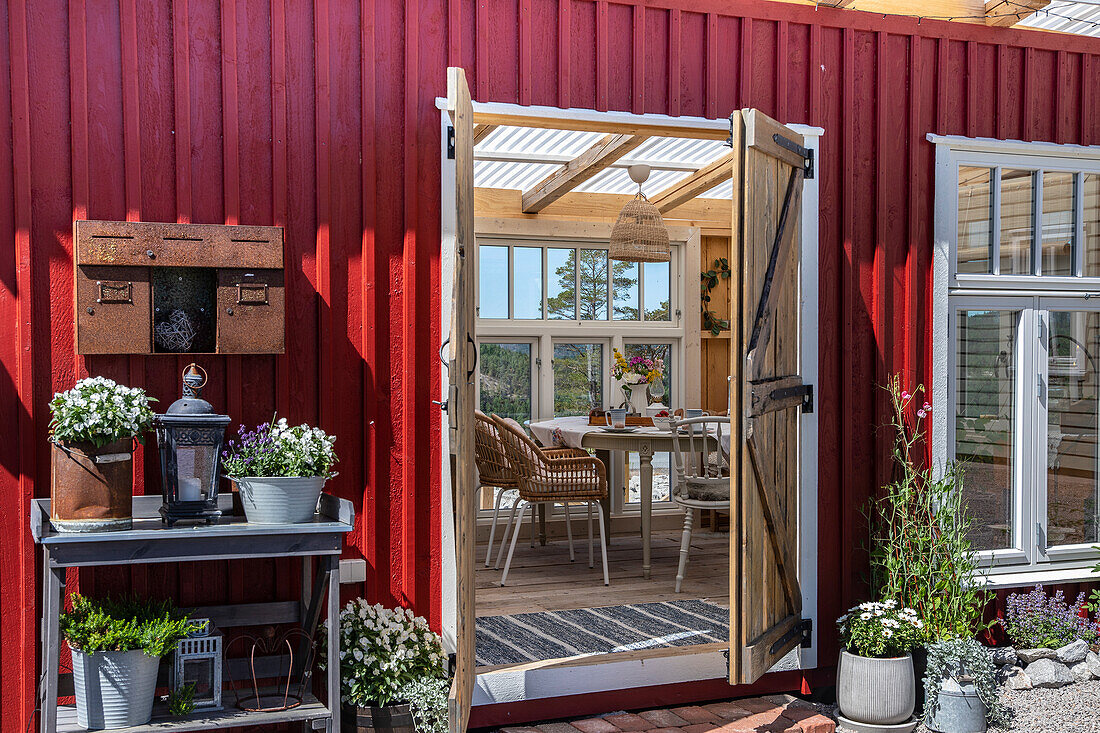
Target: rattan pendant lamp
(639,234)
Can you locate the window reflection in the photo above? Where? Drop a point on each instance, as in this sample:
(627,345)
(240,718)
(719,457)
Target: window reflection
(1091,196)
(1017,221)
(1057,234)
(975,227)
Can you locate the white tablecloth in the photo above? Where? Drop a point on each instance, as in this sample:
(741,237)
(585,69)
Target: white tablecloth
(569,432)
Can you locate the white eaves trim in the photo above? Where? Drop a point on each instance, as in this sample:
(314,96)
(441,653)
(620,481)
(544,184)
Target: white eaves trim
(1014,147)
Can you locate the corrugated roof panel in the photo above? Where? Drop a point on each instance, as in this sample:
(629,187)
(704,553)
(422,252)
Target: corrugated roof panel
(1080,17)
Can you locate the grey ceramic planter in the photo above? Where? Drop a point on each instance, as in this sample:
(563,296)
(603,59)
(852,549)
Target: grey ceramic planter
(280,500)
(876,691)
(114,689)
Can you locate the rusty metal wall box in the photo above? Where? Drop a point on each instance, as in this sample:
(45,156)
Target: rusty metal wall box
(117,295)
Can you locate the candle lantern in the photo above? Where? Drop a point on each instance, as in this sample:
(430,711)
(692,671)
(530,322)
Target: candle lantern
(198,666)
(190,436)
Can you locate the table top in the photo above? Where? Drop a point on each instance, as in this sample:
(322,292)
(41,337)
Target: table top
(575,432)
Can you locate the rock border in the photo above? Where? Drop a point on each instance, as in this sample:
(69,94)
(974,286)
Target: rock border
(1024,669)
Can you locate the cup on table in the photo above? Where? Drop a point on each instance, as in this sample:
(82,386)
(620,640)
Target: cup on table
(615,418)
(692,412)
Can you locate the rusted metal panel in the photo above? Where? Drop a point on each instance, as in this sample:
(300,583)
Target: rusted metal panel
(250,311)
(113,310)
(176,245)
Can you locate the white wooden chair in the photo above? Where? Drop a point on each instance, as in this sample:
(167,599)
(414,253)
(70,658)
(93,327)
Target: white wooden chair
(700,477)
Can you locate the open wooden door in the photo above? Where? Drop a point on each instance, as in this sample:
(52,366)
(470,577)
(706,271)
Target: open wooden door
(462,370)
(767,393)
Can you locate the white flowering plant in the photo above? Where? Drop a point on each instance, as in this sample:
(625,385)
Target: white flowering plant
(275,449)
(100,411)
(880,629)
(384,650)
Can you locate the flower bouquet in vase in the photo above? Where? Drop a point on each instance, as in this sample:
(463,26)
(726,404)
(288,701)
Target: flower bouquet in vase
(634,375)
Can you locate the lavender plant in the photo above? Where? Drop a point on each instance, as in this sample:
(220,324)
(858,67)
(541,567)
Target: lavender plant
(1035,620)
(276,449)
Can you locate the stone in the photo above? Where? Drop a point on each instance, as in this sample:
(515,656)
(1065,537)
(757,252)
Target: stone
(1080,672)
(628,722)
(1027,656)
(1073,652)
(1016,678)
(695,714)
(595,725)
(1005,656)
(1093,661)
(1049,673)
(663,718)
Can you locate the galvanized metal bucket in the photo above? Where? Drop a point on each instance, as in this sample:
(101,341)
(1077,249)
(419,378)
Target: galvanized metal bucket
(959,709)
(91,488)
(280,500)
(114,689)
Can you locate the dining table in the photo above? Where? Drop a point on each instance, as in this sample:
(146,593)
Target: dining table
(576,432)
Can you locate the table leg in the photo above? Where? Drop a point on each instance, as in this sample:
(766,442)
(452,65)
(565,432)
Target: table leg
(334,640)
(645,459)
(51,643)
(605,503)
(542,525)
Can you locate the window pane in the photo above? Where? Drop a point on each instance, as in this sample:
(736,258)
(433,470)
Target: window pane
(527,282)
(1091,195)
(975,236)
(1017,221)
(578,379)
(1071,427)
(985,421)
(561,289)
(658,391)
(492,273)
(624,283)
(592,277)
(1058,223)
(657,292)
(505,380)
(632,493)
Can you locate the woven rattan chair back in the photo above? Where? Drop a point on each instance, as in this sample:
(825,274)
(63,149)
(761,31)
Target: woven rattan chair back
(493,466)
(545,478)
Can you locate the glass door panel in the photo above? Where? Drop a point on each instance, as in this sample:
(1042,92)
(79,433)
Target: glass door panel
(578,378)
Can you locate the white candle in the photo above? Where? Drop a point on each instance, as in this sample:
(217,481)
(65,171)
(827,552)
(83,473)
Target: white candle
(190,489)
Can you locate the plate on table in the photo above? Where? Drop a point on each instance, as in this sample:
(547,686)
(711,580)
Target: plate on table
(609,429)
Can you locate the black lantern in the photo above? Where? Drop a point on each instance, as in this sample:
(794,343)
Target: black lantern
(190,436)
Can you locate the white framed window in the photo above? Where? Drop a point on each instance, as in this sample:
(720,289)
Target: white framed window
(1016,350)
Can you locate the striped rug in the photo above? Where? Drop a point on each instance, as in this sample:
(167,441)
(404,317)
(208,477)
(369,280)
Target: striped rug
(530,637)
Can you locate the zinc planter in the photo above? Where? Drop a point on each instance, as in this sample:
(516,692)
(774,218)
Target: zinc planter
(959,709)
(114,689)
(91,488)
(280,500)
(876,691)
(388,719)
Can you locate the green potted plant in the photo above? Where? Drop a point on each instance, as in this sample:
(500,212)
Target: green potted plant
(960,686)
(92,431)
(392,672)
(117,646)
(876,683)
(280,470)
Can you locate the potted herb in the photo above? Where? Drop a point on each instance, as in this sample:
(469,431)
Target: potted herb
(92,431)
(960,686)
(391,671)
(117,646)
(280,470)
(876,684)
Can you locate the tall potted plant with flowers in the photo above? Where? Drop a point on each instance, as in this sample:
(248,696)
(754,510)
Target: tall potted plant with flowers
(280,470)
(634,375)
(92,431)
(876,684)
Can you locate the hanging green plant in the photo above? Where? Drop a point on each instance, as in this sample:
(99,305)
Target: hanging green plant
(710,279)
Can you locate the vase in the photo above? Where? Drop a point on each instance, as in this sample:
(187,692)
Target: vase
(114,689)
(876,691)
(91,487)
(385,719)
(280,499)
(636,397)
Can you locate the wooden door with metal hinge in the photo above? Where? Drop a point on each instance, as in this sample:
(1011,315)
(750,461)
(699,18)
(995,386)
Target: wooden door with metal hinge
(462,371)
(767,393)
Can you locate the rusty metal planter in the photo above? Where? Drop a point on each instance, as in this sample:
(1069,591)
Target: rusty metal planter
(91,487)
(387,719)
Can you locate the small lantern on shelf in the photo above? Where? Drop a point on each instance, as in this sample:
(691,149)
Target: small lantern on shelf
(189,436)
(198,662)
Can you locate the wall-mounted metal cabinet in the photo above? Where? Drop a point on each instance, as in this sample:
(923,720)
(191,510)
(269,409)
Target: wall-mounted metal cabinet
(149,288)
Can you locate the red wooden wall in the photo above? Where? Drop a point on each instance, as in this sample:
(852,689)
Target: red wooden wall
(320,117)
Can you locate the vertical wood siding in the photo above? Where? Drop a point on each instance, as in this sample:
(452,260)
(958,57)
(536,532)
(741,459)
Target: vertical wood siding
(320,118)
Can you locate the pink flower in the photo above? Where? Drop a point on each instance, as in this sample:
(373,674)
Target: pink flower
(927,407)
(905,396)
(921,413)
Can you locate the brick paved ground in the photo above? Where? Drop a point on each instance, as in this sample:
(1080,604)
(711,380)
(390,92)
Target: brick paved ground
(771,714)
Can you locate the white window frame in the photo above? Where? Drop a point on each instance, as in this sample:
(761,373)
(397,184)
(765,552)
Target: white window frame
(1033,294)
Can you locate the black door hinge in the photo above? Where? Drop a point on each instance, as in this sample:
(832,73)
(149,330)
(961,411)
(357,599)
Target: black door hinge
(806,153)
(808,399)
(805,629)
(450,142)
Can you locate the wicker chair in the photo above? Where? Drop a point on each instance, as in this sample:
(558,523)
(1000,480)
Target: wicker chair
(494,471)
(700,474)
(554,476)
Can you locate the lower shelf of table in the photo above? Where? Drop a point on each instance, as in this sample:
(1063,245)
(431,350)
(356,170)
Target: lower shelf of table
(311,709)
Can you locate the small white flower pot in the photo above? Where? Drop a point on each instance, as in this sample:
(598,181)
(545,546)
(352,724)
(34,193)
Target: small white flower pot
(280,500)
(876,691)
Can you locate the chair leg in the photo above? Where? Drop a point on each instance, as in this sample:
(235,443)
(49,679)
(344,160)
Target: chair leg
(603,549)
(685,543)
(493,526)
(591,559)
(569,531)
(515,536)
(534,524)
(504,537)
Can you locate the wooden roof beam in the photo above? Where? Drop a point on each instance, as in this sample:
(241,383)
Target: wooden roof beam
(1010,12)
(483,131)
(586,165)
(696,184)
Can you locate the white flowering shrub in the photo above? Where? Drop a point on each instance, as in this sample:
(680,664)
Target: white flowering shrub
(277,449)
(880,629)
(382,651)
(100,411)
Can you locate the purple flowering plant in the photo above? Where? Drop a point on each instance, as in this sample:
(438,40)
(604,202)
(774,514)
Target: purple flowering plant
(276,449)
(1036,620)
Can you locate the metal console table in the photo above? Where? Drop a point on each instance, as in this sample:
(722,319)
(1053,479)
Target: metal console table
(149,541)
